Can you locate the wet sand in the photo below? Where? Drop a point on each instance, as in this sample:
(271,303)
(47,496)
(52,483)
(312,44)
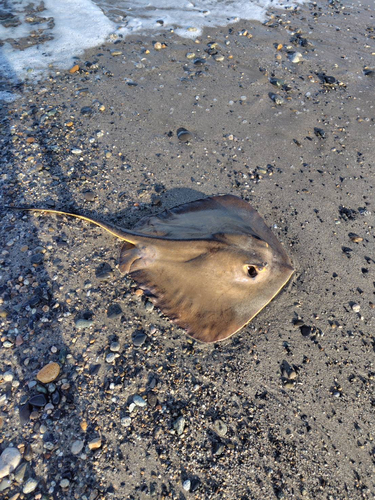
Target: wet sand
(295,388)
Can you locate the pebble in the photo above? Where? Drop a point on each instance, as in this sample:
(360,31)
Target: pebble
(74,69)
(89,196)
(220,427)
(111,356)
(158,46)
(184,135)
(95,444)
(186,485)
(139,339)
(355,238)
(76,151)
(77,447)
(126,421)
(30,486)
(103,271)
(319,132)
(115,346)
(83,323)
(179,425)
(8,376)
(356,307)
(139,401)
(48,373)
(64,483)
(190,55)
(5,484)
(296,57)
(149,306)
(116,52)
(276,98)
(38,400)
(86,110)
(20,473)
(277,82)
(199,61)
(9,460)
(219,58)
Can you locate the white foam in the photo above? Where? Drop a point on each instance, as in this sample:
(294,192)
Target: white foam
(81,24)
(78,25)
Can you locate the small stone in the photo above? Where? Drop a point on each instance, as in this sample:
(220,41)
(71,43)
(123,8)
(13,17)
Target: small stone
(306,330)
(8,376)
(220,427)
(74,69)
(219,58)
(184,135)
(9,460)
(83,425)
(37,258)
(199,61)
(115,346)
(139,338)
(3,313)
(116,52)
(186,485)
(356,307)
(89,196)
(276,98)
(30,486)
(289,385)
(152,399)
(103,271)
(111,356)
(83,323)
(5,484)
(158,46)
(319,132)
(139,401)
(20,473)
(114,310)
(95,444)
(293,375)
(296,57)
(126,421)
(218,449)
(179,425)
(355,238)
(149,306)
(190,55)
(77,447)
(86,110)
(76,151)
(64,483)
(48,373)
(38,400)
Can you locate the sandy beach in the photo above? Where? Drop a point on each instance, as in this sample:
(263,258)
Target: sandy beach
(280,114)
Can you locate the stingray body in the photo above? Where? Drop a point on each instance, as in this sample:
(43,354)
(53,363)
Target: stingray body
(210,265)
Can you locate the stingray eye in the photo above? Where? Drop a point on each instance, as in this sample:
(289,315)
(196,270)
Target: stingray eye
(252,271)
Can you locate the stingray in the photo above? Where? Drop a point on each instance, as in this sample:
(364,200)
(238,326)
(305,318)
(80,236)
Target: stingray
(210,265)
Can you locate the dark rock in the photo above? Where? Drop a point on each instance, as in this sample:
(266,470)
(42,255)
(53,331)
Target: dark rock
(39,400)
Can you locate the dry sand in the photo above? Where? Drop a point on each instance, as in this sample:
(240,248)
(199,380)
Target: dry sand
(295,388)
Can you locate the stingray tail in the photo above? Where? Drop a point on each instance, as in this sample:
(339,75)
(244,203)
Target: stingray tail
(115,231)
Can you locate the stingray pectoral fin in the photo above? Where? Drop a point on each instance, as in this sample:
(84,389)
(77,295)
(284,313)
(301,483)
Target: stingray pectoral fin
(129,254)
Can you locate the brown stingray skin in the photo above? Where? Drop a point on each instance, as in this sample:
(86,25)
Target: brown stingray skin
(210,265)
(196,269)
